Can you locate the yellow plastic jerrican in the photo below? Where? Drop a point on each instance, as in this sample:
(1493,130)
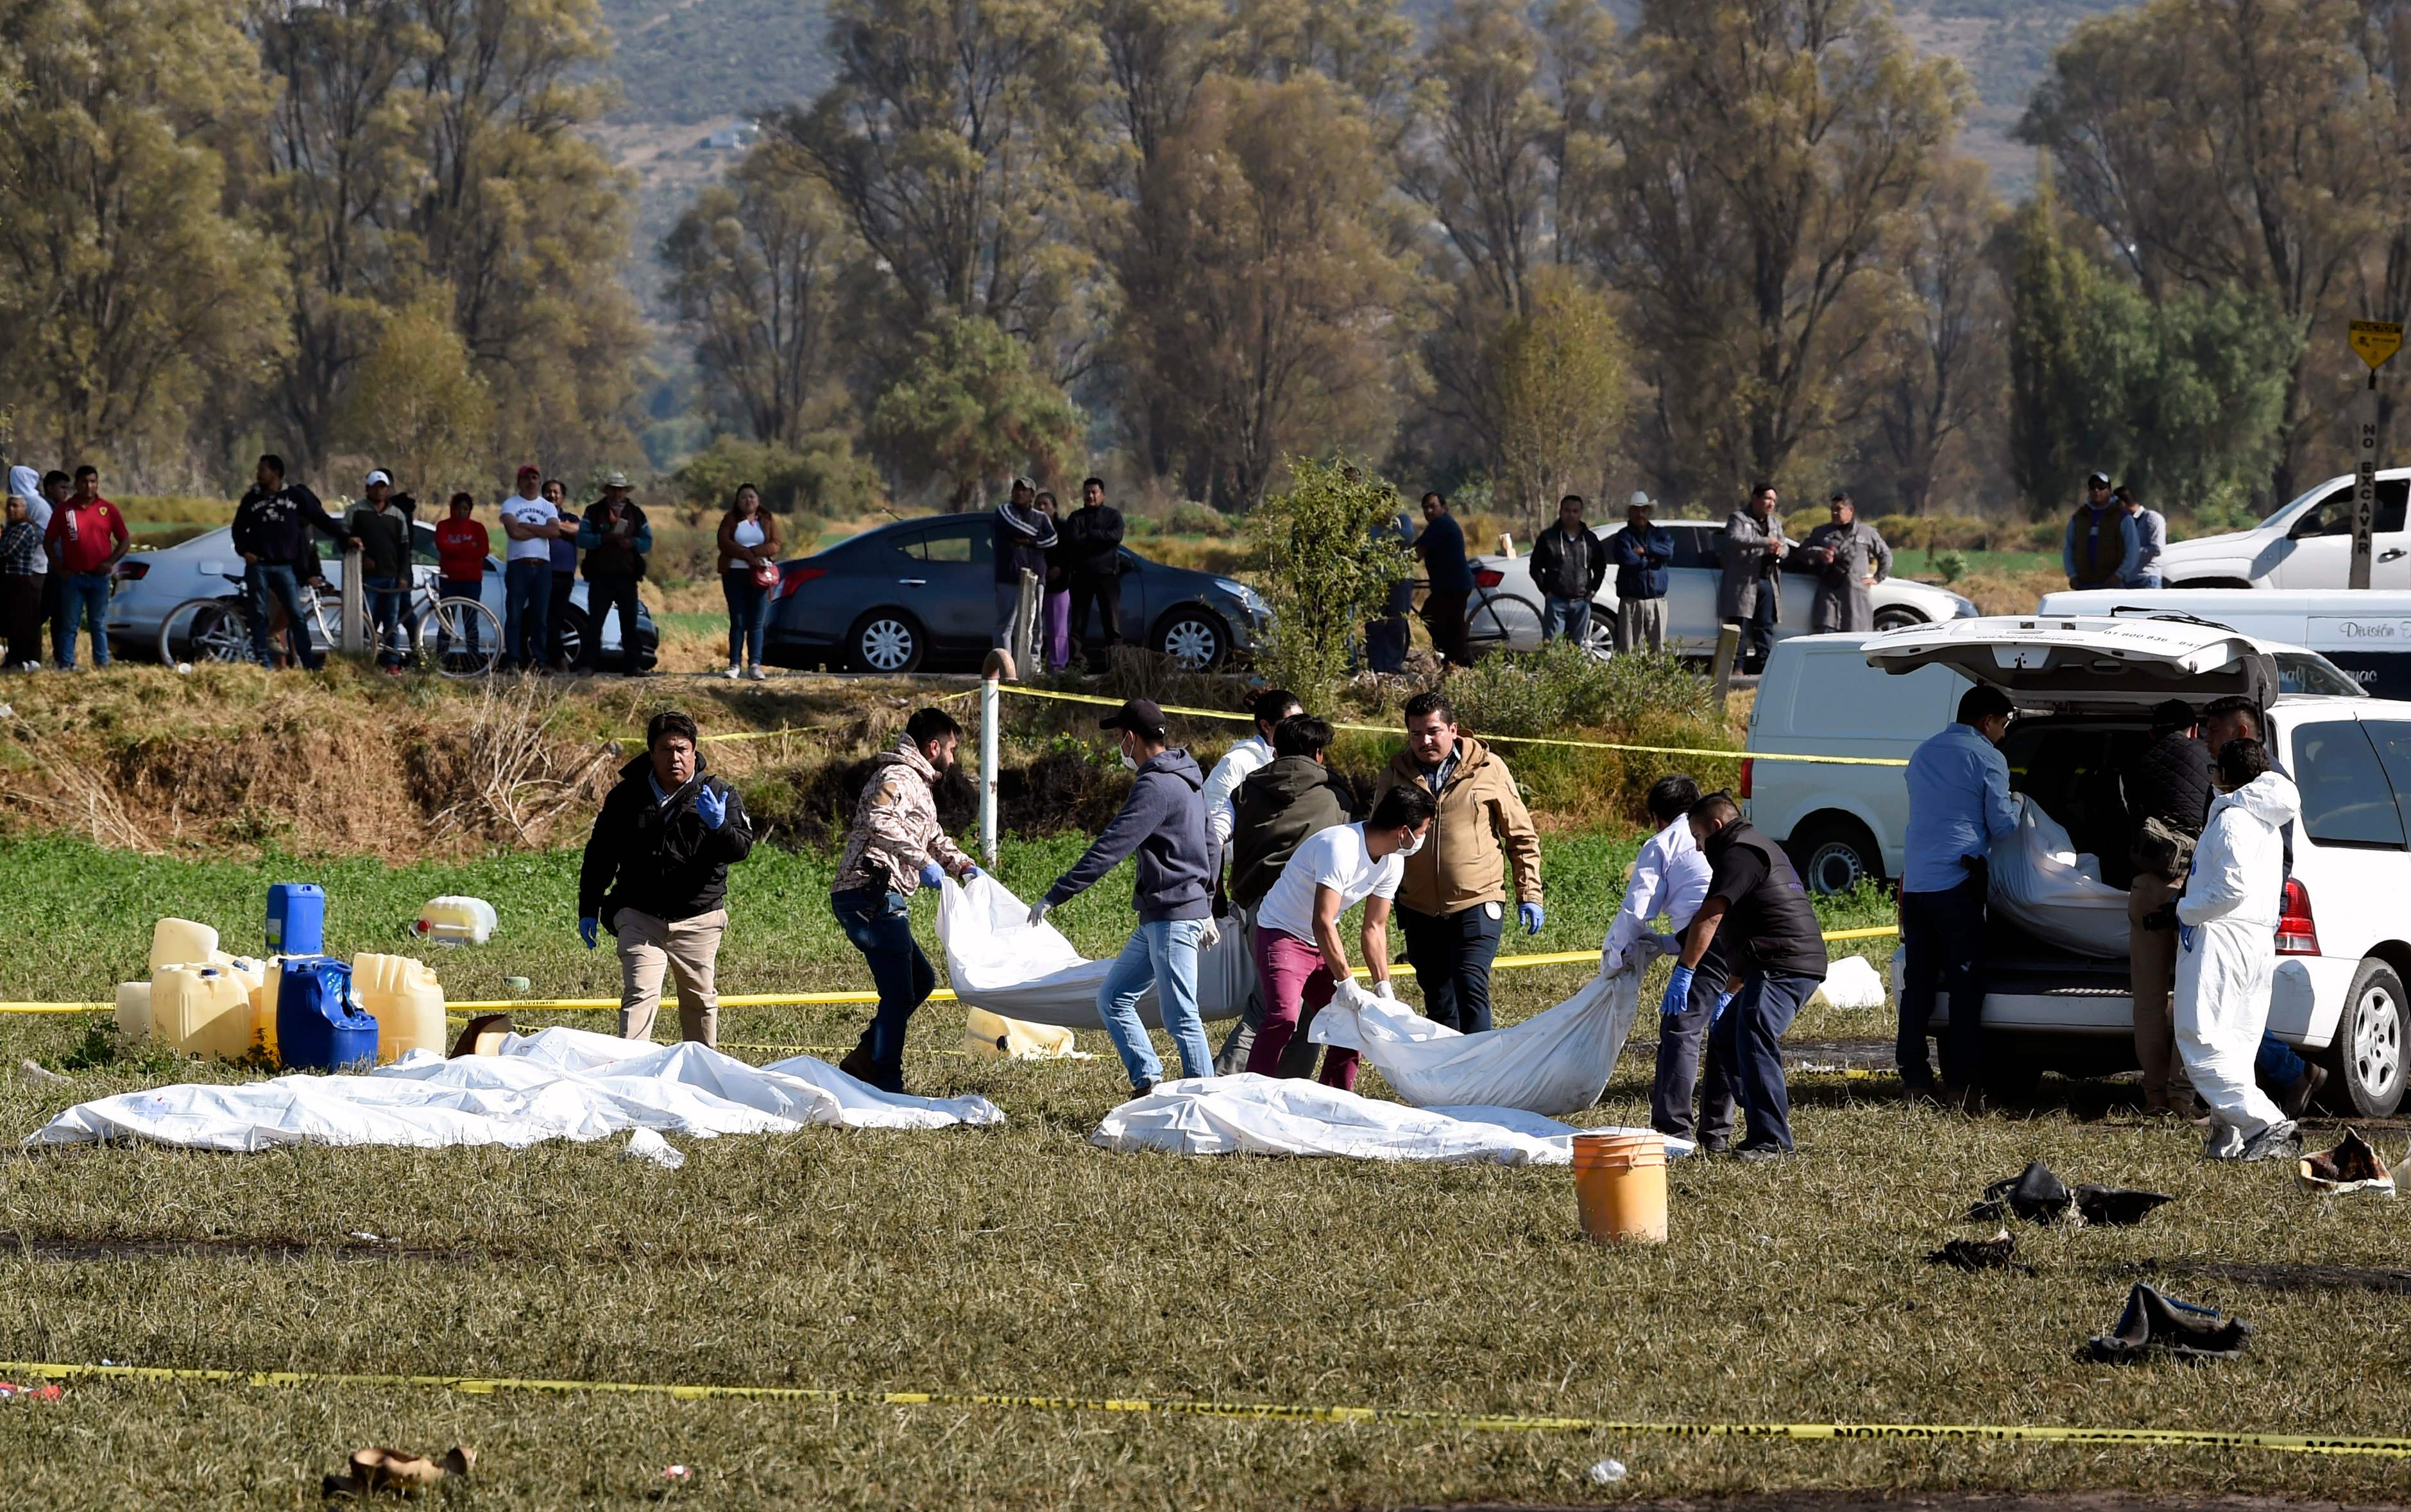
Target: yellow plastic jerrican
(182,942)
(404,997)
(134,1011)
(994,1037)
(263,1007)
(201,1011)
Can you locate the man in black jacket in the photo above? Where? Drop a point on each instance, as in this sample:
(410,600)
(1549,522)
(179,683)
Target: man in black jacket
(1277,806)
(655,874)
(1094,535)
(272,532)
(1569,564)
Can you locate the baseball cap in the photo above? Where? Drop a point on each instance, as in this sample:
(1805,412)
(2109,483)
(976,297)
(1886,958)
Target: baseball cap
(531,471)
(377,475)
(1139,715)
(615,479)
(2098,480)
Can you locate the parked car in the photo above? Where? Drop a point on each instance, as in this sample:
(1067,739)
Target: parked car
(2084,688)
(152,583)
(922,593)
(1506,608)
(2367,634)
(2306,545)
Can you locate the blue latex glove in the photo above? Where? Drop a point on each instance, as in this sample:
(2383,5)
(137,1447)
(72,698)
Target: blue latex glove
(2186,935)
(1532,917)
(589,930)
(1678,992)
(932,874)
(970,872)
(1723,1000)
(712,806)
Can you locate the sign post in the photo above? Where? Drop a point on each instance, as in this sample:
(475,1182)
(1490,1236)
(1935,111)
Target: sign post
(2376,341)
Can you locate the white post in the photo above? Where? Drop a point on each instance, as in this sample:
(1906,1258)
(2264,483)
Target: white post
(352,633)
(988,702)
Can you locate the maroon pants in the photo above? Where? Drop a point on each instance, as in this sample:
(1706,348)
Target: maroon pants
(1296,984)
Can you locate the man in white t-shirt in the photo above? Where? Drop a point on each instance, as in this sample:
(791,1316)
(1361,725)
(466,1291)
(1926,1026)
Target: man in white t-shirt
(533,525)
(1299,957)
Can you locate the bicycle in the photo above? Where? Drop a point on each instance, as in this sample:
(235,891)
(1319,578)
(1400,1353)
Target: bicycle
(219,629)
(452,637)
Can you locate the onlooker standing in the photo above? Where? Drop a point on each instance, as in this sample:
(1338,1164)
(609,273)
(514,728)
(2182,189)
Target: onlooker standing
(56,487)
(749,552)
(1569,564)
(1750,592)
(1387,640)
(616,539)
(1022,538)
(26,485)
(1959,803)
(461,547)
(2151,538)
(383,536)
(656,876)
(1274,811)
(1300,960)
(89,539)
(2101,544)
(1094,535)
(564,574)
(1055,646)
(895,848)
(271,531)
(1163,823)
(1448,579)
(1642,553)
(1451,905)
(1850,558)
(2170,781)
(23,566)
(531,523)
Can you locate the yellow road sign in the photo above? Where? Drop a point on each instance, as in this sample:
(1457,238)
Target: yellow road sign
(2376,341)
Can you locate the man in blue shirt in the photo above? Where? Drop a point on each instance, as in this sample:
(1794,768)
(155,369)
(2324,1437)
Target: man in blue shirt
(1448,578)
(1959,803)
(1642,552)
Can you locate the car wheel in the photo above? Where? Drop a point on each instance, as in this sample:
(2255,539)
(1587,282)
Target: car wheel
(885,640)
(1193,637)
(573,637)
(2366,1059)
(1598,639)
(1833,853)
(1897,618)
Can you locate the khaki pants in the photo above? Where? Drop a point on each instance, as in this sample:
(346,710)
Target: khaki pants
(1641,625)
(2151,971)
(688,947)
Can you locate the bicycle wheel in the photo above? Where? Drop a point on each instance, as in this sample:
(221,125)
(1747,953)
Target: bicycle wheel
(461,639)
(206,630)
(412,651)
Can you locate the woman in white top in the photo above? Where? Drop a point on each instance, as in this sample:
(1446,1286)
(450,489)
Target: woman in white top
(748,569)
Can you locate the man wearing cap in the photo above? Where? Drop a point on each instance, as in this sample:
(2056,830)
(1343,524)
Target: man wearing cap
(1642,552)
(532,524)
(2102,544)
(1162,823)
(1023,536)
(1569,564)
(383,536)
(1851,558)
(616,539)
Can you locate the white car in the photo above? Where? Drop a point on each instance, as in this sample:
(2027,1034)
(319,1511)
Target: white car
(2084,688)
(1505,610)
(2306,545)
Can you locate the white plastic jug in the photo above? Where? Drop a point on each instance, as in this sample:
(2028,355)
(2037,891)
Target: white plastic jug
(455,921)
(182,942)
(201,1011)
(406,1000)
(134,1011)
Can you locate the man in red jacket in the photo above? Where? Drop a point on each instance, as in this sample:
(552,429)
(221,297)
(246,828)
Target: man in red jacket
(87,538)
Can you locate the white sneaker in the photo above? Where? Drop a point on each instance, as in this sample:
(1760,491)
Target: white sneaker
(731,672)
(756,674)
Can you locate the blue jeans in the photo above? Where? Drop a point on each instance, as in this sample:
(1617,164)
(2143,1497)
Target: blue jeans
(880,925)
(1569,618)
(260,580)
(459,588)
(83,596)
(527,601)
(2277,1067)
(385,597)
(1164,953)
(1745,1059)
(748,617)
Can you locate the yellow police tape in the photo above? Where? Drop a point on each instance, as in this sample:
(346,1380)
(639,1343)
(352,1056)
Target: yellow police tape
(944,995)
(1518,740)
(2395,1448)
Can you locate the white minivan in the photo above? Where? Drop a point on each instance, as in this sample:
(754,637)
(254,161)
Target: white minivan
(2084,688)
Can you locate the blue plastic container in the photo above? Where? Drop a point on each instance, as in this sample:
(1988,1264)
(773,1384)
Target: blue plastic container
(317,1027)
(297,919)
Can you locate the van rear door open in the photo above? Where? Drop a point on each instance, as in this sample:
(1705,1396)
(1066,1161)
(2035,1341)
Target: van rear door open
(2078,662)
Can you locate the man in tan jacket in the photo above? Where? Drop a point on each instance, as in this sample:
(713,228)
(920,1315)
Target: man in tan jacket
(1453,901)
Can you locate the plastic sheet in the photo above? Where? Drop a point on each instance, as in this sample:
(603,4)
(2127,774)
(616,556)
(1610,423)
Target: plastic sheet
(1556,1062)
(2042,885)
(1851,982)
(995,960)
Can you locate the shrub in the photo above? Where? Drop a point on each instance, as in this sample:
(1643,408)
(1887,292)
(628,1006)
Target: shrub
(1190,517)
(826,479)
(1328,555)
(1952,565)
(1561,687)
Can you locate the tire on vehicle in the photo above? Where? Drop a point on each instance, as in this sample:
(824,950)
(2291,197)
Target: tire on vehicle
(1833,854)
(2365,1066)
(1194,637)
(885,641)
(1898,616)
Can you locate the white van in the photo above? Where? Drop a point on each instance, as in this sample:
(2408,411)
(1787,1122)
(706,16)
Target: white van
(2367,634)
(2084,688)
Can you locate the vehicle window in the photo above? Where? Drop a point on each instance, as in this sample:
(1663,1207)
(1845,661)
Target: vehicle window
(915,547)
(2307,671)
(1690,543)
(2333,515)
(2392,739)
(422,544)
(960,544)
(2346,799)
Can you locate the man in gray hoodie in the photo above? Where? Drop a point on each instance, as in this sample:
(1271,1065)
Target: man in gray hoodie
(1162,823)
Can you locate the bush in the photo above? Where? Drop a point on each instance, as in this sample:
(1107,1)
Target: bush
(824,480)
(1328,555)
(1561,693)
(1952,565)
(1190,517)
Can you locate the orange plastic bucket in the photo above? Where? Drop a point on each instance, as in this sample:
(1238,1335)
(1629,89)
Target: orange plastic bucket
(1620,1186)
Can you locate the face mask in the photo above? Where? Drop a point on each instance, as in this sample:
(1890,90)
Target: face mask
(1128,764)
(1414,844)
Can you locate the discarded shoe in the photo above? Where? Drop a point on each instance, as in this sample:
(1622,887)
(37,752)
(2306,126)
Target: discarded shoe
(2353,1165)
(2034,1194)
(392,1470)
(2278,1141)
(2155,1324)
(1994,1254)
(2117,1207)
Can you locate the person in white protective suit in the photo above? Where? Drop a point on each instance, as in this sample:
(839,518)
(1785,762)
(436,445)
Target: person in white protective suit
(2227,953)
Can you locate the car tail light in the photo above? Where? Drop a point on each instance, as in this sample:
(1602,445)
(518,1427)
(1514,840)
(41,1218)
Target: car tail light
(1747,769)
(2298,933)
(795,575)
(131,570)
(1489,577)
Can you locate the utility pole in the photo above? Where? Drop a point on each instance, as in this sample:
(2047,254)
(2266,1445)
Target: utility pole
(2376,341)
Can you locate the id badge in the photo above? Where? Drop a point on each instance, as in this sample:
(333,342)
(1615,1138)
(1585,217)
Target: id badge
(1494,910)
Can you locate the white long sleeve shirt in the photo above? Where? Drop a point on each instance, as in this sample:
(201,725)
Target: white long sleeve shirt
(1240,762)
(1669,876)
